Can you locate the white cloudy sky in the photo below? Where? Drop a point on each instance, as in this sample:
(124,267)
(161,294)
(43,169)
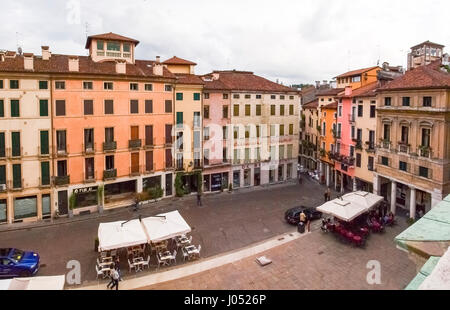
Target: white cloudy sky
(295,41)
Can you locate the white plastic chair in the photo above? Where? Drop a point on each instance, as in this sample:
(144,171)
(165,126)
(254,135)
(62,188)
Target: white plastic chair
(174,256)
(131,266)
(185,254)
(99,272)
(199,249)
(146,263)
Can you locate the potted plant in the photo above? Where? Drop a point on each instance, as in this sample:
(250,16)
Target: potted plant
(179,192)
(72,204)
(96,244)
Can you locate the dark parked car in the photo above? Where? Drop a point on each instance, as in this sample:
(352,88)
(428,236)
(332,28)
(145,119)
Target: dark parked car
(292,216)
(18,263)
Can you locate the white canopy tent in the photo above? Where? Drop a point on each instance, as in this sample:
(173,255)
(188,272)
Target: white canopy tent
(37,283)
(343,210)
(165,226)
(368,200)
(122,234)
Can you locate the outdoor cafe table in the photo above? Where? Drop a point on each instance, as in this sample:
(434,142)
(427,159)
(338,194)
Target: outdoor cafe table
(192,251)
(165,257)
(138,262)
(183,240)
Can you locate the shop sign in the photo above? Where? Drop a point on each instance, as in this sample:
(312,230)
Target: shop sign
(85,190)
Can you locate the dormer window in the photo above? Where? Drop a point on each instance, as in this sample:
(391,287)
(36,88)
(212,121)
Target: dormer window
(100,45)
(113,49)
(126,48)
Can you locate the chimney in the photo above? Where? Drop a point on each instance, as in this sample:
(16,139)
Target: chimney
(215,75)
(317,84)
(74,64)
(2,56)
(46,53)
(158,69)
(121,66)
(158,59)
(325,82)
(28,59)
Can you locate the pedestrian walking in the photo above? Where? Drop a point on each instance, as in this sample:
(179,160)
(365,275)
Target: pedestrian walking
(328,194)
(308,223)
(114,279)
(325,196)
(136,204)
(199,199)
(117,267)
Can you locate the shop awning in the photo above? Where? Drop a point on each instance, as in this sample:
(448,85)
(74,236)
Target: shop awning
(122,234)
(165,226)
(342,209)
(36,283)
(367,200)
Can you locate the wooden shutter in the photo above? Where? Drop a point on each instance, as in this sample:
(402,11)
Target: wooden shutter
(17,176)
(45,172)
(168,158)
(2,144)
(88,107)
(168,133)
(109,107)
(60,107)
(43,107)
(149,160)
(168,106)
(134,132)
(135,162)
(2,109)
(15,137)
(15,108)
(44,142)
(149,135)
(179,118)
(3,174)
(148,106)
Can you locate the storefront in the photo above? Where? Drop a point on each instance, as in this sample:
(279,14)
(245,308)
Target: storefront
(120,190)
(247,177)
(236,179)
(46,206)
(190,182)
(25,207)
(215,182)
(257,177)
(280,173)
(86,196)
(152,182)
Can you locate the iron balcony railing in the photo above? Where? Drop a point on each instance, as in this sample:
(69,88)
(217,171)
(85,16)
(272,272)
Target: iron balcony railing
(61,180)
(109,146)
(109,174)
(134,143)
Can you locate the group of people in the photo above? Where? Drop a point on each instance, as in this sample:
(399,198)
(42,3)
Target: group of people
(381,215)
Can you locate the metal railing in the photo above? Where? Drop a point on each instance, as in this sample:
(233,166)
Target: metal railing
(109,174)
(134,143)
(386,144)
(425,152)
(135,170)
(403,148)
(61,180)
(109,146)
(90,178)
(61,152)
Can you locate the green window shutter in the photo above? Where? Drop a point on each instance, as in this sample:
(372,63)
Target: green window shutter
(3,174)
(43,84)
(45,173)
(15,108)
(179,118)
(17,176)
(15,137)
(2,144)
(2,109)
(44,143)
(196,96)
(43,107)
(179,96)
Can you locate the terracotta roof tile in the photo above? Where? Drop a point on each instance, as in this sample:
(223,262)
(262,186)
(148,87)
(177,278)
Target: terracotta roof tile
(366,91)
(246,81)
(110,36)
(429,76)
(59,64)
(178,61)
(332,105)
(311,105)
(356,72)
(330,92)
(428,43)
(189,79)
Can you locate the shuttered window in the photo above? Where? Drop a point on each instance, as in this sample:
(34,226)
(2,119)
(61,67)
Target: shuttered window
(15,138)
(196,96)
(2,145)
(134,106)
(45,173)
(109,107)
(60,107)
(149,161)
(15,110)
(168,106)
(179,118)
(17,176)
(88,107)
(179,96)
(2,109)
(148,106)
(43,107)
(44,143)
(168,158)
(3,174)
(149,135)
(168,134)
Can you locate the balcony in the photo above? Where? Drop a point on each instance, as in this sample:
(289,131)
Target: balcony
(385,144)
(61,180)
(370,146)
(100,53)
(358,144)
(109,174)
(109,146)
(424,151)
(134,144)
(351,118)
(89,149)
(403,147)
(61,151)
(90,178)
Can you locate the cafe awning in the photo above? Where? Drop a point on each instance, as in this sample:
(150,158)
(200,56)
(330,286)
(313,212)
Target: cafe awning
(367,200)
(122,234)
(165,226)
(342,209)
(35,283)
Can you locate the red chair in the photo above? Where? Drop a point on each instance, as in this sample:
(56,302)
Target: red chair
(349,236)
(358,241)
